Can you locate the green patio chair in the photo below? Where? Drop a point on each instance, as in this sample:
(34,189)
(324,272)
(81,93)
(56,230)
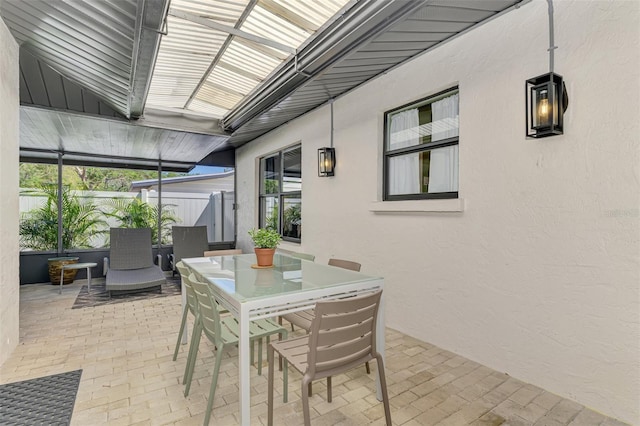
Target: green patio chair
(304,256)
(227,252)
(224,334)
(191,306)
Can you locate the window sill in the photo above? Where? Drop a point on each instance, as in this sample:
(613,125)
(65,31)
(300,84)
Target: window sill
(418,206)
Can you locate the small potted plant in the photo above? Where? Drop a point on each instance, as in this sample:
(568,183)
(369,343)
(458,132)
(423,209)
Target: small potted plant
(265,241)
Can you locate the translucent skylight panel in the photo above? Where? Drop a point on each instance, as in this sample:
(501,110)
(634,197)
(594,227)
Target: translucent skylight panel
(191,37)
(202,106)
(316,12)
(218,96)
(183,60)
(265,24)
(255,62)
(234,81)
(188,50)
(184,56)
(224,12)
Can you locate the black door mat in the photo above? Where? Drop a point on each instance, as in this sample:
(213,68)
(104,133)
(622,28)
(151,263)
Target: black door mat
(99,295)
(43,401)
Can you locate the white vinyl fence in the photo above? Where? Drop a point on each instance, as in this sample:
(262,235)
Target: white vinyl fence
(214,210)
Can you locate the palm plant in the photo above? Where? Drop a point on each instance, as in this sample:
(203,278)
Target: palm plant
(81,221)
(134,213)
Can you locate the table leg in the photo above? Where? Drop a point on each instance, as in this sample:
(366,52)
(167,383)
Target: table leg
(245,391)
(88,279)
(380,343)
(61,277)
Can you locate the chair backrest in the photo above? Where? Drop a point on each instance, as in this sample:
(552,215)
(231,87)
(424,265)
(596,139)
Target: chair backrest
(192,301)
(207,305)
(130,248)
(228,252)
(291,253)
(345,264)
(189,241)
(304,256)
(182,269)
(342,334)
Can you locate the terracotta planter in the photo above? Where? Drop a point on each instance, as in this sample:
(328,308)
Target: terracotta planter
(264,256)
(55,264)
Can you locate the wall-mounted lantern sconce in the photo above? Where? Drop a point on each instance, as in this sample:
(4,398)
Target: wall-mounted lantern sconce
(546,97)
(327,155)
(547,101)
(326,161)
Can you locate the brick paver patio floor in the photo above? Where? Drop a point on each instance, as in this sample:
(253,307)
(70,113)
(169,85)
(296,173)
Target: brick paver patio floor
(129,378)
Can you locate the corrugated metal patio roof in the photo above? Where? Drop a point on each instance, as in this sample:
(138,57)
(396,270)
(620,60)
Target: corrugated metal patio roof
(247,65)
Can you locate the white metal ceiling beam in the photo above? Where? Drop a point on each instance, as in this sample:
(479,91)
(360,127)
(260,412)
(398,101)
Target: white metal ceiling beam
(180,120)
(272,53)
(149,26)
(356,27)
(229,30)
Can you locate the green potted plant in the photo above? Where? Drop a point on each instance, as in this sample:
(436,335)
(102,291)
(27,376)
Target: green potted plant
(135,213)
(81,221)
(265,241)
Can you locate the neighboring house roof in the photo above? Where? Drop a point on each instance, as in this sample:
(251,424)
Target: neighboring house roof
(143,184)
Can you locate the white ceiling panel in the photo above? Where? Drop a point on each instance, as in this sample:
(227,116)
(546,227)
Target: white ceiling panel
(100,139)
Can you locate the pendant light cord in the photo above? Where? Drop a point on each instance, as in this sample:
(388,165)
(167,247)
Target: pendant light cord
(552,47)
(331,104)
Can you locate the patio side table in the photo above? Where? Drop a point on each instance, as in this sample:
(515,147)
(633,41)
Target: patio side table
(87,265)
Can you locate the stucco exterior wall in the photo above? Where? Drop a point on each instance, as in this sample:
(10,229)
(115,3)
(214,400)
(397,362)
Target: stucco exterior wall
(9,251)
(539,275)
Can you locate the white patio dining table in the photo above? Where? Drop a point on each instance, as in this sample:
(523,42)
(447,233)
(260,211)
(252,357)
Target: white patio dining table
(291,285)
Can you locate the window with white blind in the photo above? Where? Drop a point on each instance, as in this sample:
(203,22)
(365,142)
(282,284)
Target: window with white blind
(421,149)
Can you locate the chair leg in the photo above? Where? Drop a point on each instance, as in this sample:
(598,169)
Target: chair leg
(305,402)
(285,380)
(260,356)
(184,321)
(383,387)
(366,365)
(195,342)
(329,395)
(191,346)
(214,383)
(270,386)
(281,336)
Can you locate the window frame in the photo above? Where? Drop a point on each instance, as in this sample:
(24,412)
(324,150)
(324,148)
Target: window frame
(419,148)
(281,195)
